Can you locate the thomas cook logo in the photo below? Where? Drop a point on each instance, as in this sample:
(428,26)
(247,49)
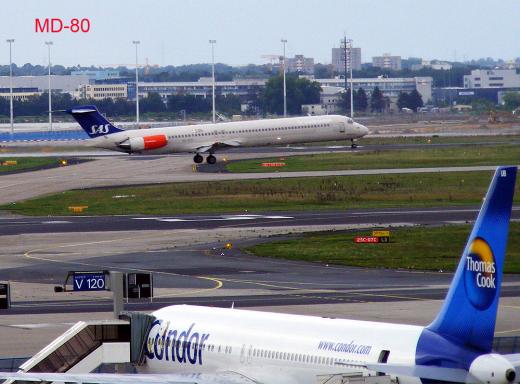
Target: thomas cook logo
(480,274)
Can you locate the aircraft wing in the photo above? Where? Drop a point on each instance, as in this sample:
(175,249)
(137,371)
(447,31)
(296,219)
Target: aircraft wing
(218,145)
(115,378)
(456,375)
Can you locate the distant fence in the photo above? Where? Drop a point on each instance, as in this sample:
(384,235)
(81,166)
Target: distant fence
(43,136)
(506,344)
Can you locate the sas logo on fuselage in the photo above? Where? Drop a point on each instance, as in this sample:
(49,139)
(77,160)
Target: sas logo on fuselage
(480,274)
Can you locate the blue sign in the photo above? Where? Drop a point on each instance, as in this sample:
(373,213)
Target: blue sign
(89,281)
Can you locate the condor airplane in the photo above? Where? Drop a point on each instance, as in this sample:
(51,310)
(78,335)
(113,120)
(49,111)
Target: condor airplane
(208,138)
(190,344)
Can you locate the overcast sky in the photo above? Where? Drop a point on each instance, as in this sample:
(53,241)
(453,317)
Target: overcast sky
(177,31)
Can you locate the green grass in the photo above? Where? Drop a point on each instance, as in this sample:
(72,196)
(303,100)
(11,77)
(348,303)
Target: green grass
(436,139)
(429,139)
(262,195)
(422,248)
(26,163)
(430,157)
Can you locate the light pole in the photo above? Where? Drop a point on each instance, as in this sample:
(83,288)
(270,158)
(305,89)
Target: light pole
(351,84)
(284,41)
(136,43)
(11,41)
(49,43)
(212,42)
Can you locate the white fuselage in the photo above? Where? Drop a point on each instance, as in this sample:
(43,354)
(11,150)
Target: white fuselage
(271,348)
(241,133)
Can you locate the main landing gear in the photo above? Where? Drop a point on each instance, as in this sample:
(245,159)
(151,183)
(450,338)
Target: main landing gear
(211,159)
(199,159)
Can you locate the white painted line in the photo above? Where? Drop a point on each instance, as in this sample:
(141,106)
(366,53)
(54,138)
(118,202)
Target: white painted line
(56,222)
(221,218)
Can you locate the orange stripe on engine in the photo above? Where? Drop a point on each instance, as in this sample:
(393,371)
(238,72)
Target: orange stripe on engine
(156,141)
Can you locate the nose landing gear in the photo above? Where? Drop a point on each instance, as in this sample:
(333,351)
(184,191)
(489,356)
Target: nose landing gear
(353,145)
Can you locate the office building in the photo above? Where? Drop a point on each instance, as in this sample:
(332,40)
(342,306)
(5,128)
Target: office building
(387,61)
(103,91)
(492,78)
(300,64)
(338,58)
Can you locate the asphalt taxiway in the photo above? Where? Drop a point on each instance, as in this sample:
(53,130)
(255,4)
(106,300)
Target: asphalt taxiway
(208,274)
(12,225)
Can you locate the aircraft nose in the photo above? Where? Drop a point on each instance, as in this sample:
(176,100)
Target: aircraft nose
(363,130)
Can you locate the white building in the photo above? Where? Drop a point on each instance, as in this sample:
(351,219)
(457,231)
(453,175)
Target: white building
(433,64)
(331,99)
(21,94)
(391,87)
(66,83)
(103,91)
(387,61)
(202,88)
(492,78)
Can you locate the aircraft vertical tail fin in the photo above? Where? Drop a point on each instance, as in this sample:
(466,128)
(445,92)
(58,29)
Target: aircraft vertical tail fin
(468,314)
(92,122)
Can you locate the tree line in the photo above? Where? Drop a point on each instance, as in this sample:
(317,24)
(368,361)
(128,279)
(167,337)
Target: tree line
(39,105)
(267,100)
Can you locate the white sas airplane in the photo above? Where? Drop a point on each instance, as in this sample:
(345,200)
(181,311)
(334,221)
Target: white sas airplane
(208,138)
(190,344)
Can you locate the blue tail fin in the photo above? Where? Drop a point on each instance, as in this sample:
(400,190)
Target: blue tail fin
(92,121)
(468,315)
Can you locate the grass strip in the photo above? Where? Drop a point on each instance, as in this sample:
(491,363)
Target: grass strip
(418,248)
(265,195)
(25,163)
(410,158)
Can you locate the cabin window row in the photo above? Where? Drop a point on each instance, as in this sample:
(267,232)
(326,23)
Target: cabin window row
(296,357)
(248,130)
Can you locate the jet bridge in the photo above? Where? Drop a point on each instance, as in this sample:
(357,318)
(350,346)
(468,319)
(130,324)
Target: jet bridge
(89,344)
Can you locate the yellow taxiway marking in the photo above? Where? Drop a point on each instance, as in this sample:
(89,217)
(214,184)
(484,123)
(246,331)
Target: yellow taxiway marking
(29,255)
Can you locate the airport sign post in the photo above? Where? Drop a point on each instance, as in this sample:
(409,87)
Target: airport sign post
(384,236)
(378,236)
(89,281)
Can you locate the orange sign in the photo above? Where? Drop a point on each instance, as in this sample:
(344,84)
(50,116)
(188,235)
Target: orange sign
(273,164)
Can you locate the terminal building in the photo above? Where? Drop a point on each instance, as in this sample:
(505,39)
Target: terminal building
(201,88)
(97,74)
(59,83)
(391,87)
(19,93)
(332,89)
